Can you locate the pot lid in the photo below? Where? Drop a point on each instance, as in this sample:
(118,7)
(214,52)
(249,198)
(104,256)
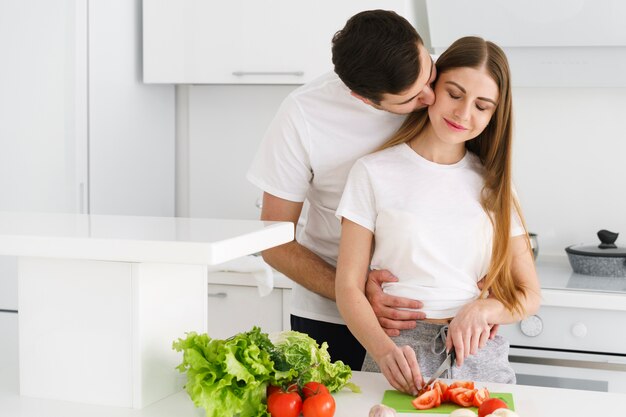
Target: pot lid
(606,248)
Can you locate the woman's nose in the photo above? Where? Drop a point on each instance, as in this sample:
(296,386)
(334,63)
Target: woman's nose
(462,111)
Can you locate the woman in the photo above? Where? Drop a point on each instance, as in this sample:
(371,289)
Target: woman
(436,207)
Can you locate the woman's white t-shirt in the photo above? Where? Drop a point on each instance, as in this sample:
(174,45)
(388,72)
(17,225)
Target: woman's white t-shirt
(429,228)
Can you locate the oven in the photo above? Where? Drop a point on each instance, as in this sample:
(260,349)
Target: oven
(577,338)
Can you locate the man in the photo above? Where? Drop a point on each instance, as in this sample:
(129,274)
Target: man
(382,72)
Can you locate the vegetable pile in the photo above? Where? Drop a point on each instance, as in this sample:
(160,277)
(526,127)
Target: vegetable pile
(230,377)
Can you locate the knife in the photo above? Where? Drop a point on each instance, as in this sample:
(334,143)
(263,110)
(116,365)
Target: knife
(445,365)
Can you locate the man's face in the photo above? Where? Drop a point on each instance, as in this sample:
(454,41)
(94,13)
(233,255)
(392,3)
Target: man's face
(419,95)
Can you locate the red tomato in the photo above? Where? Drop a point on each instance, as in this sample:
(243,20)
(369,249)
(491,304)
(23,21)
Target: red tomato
(427,400)
(462,396)
(275,388)
(319,405)
(490,405)
(480,397)
(463,384)
(284,404)
(313,388)
(442,387)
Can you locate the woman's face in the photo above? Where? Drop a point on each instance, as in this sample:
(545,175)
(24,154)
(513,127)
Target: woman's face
(466,98)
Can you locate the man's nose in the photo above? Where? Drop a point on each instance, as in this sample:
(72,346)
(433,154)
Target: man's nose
(427,96)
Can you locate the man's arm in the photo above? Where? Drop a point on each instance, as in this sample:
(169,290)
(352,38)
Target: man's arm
(312,272)
(292,259)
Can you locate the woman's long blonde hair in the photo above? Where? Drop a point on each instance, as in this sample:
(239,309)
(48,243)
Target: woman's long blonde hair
(493,148)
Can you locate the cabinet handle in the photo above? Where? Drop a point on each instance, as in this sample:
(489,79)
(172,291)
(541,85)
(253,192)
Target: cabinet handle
(218,295)
(244,73)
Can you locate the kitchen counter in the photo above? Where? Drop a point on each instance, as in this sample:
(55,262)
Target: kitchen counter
(529,401)
(101,298)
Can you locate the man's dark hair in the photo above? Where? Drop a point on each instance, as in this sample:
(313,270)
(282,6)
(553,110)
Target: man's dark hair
(376,53)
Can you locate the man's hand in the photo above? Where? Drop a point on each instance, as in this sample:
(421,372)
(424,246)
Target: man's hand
(386,306)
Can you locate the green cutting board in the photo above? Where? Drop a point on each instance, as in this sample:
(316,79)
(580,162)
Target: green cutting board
(402,403)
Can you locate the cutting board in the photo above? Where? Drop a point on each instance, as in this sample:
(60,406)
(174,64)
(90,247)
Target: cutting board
(402,403)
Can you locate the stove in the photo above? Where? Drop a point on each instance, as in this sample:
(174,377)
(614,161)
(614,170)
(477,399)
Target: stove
(568,344)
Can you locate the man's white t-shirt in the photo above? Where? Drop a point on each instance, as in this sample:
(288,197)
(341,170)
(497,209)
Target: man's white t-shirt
(318,133)
(429,227)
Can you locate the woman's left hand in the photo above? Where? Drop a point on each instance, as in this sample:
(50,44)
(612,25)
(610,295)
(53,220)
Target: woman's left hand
(468,331)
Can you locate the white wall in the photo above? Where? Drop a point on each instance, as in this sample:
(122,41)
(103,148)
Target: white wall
(568,163)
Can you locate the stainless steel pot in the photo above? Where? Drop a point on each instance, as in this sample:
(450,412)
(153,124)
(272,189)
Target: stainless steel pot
(603,260)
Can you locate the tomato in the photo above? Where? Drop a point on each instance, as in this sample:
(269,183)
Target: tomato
(462,396)
(275,388)
(490,405)
(463,384)
(480,397)
(313,388)
(284,404)
(319,405)
(442,387)
(427,400)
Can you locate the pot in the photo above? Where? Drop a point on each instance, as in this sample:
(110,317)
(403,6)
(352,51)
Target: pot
(603,260)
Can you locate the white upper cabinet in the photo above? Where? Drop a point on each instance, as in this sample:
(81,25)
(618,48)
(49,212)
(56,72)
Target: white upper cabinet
(245,41)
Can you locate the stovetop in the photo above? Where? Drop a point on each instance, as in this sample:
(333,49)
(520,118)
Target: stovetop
(556,273)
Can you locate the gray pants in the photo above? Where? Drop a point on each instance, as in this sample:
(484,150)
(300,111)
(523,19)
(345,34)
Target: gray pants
(489,364)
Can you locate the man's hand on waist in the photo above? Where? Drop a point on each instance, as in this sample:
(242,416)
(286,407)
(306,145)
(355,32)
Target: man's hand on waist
(387,307)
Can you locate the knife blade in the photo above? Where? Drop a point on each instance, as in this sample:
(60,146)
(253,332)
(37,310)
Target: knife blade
(445,365)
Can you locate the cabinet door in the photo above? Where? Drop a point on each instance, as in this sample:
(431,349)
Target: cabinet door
(233,309)
(8,347)
(245,41)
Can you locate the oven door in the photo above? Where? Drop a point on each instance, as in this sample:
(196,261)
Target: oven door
(586,371)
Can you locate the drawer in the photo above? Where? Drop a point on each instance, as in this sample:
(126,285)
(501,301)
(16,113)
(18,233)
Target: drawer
(234,309)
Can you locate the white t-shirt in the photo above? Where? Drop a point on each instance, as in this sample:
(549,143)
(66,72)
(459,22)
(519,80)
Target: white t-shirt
(429,227)
(306,154)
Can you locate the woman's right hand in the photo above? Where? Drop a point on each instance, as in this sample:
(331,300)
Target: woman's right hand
(399,365)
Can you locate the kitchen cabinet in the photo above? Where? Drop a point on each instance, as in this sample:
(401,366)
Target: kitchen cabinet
(8,346)
(121,289)
(245,41)
(234,308)
(234,304)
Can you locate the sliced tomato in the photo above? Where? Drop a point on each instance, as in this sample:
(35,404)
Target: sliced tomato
(465,398)
(427,400)
(463,384)
(442,387)
(480,396)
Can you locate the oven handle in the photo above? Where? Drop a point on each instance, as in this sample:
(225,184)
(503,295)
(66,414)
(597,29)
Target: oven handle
(568,363)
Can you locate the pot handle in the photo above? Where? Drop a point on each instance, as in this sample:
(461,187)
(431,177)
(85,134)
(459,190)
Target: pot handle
(608,239)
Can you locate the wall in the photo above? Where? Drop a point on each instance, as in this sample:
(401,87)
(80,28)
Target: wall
(568,156)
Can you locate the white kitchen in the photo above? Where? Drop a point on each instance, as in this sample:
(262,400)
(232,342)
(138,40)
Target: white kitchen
(126,131)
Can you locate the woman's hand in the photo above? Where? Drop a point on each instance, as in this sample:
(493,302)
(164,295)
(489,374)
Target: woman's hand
(468,331)
(400,367)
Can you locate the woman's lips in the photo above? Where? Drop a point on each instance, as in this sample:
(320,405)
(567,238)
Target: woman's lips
(454,126)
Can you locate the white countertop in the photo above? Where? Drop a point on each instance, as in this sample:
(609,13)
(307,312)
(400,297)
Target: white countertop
(137,238)
(529,401)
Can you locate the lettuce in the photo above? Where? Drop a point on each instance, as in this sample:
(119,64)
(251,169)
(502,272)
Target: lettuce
(312,362)
(230,377)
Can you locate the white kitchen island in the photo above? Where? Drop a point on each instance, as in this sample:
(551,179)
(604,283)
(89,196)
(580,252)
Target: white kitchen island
(101,298)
